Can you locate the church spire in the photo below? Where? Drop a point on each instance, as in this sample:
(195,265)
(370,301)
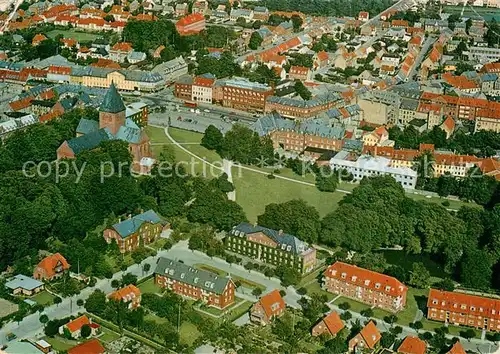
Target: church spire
(113,102)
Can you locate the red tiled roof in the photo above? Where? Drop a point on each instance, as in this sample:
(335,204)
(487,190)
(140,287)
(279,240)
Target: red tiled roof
(399,23)
(464,303)
(412,345)
(267,301)
(98,22)
(122,47)
(77,323)
(299,70)
(490,166)
(64,70)
(322,55)
(145,17)
(126,294)
(21,104)
(457,349)
(38,38)
(366,278)
(69,42)
(106,63)
(491,68)
(92,346)
(333,322)
(449,124)
(49,263)
(190,19)
(203,81)
(370,334)
(157,52)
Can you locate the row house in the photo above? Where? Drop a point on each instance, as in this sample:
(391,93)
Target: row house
(366,286)
(300,73)
(196,284)
(271,247)
(298,136)
(464,310)
(295,108)
(128,233)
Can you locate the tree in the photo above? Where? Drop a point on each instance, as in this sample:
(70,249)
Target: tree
(344,306)
(446,284)
(468,334)
(302,90)
(255,41)
(475,270)
(115,283)
(80,302)
(420,276)
(367,313)
(85,331)
(129,278)
(297,22)
(257,292)
(212,139)
(43,319)
(345,316)
(417,325)
(391,319)
(387,339)
(146,267)
(57,300)
(326,179)
(96,302)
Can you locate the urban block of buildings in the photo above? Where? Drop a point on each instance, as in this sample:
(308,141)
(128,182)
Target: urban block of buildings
(366,286)
(195,284)
(272,247)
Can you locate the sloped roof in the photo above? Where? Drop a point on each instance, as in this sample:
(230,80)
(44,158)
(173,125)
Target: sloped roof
(23,282)
(125,294)
(272,302)
(412,345)
(86,126)
(49,263)
(198,278)
(333,322)
(113,102)
(78,323)
(457,348)
(245,229)
(92,346)
(474,305)
(370,334)
(89,141)
(130,226)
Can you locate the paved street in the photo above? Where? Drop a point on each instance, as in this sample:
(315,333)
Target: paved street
(31,327)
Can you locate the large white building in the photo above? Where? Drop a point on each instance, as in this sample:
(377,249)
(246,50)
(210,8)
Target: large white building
(367,166)
(483,54)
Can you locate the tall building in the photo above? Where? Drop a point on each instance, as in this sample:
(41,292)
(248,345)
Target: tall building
(464,309)
(271,247)
(112,124)
(369,287)
(193,283)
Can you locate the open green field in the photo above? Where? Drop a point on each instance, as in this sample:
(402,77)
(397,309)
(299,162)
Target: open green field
(149,286)
(188,333)
(315,288)
(43,298)
(72,33)
(108,335)
(488,13)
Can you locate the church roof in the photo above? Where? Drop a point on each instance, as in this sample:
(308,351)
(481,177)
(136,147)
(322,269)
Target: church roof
(112,101)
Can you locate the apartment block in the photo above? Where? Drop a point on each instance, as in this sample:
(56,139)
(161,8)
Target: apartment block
(363,285)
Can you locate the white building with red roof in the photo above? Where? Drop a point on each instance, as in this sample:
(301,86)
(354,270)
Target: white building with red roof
(190,24)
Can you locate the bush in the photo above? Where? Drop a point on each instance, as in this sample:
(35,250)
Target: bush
(346,316)
(282,293)
(257,292)
(345,306)
(277,171)
(302,291)
(271,176)
(446,203)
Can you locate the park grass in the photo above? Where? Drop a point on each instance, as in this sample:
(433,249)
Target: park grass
(43,298)
(72,33)
(188,333)
(60,344)
(149,286)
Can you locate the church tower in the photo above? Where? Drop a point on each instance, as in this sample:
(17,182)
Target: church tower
(112,111)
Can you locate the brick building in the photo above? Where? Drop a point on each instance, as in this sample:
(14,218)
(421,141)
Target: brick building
(412,345)
(330,324)
(51,267)
(297,136)
(367,339)
(300,73)
(271,247)
(128,233)
(190,24)
(369,287)
(130,294)
(193,283)
(464,309)
(269,307)
(242,94)
(296,108)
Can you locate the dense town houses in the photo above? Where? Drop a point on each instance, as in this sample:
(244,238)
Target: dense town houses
(369,287)
(464,309)
(272,247)
(141,229)
(197,284)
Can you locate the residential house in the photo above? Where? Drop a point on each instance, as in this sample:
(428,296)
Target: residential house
(172,69)
(212,289)
(462,309)
(448,126)
(37,39)
(330,324)
(457,348)
(260,13)
(412,345)
(135,57)
(300,73)
(190,24)
(366,286)
(74,327)
(181,9)
(92,346)
(23,285)
(51,267)
(271,247)
(130,233)
(377,137)
(321,60)
(120,51)
(269,307)
(367,339)
(130,295)
(246,14)
(364,16)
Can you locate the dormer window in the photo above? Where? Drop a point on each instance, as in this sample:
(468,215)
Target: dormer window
(472,308)
(377,285)
(387,288)
(334,272)
(344,275)
(354,278)
(463,307)
(434,301)
(367,282)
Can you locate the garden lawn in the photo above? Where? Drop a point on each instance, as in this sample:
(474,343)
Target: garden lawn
(108,336)
(43,298)
(153,317)
(71,33)
(315,288)
(60,344)
(237,312)
(188,333)
(149,286)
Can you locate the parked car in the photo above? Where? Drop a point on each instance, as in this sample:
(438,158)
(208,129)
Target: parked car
(206,110)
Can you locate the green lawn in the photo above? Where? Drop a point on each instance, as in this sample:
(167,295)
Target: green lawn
(188,333)
(413,298)
(239,311)
(60,344)
(149,286)
(108,335)
(315,288)
(72,33)
(153,317)
(43,298)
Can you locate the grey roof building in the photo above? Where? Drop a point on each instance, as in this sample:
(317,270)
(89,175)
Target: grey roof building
(89,141)
(130,226)
(21,281)
(198,278)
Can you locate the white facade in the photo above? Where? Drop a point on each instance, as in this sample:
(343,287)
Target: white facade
(202,94)
(483,54)
(368,166)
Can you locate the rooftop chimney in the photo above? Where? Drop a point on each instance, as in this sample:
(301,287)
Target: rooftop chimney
(280,232)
